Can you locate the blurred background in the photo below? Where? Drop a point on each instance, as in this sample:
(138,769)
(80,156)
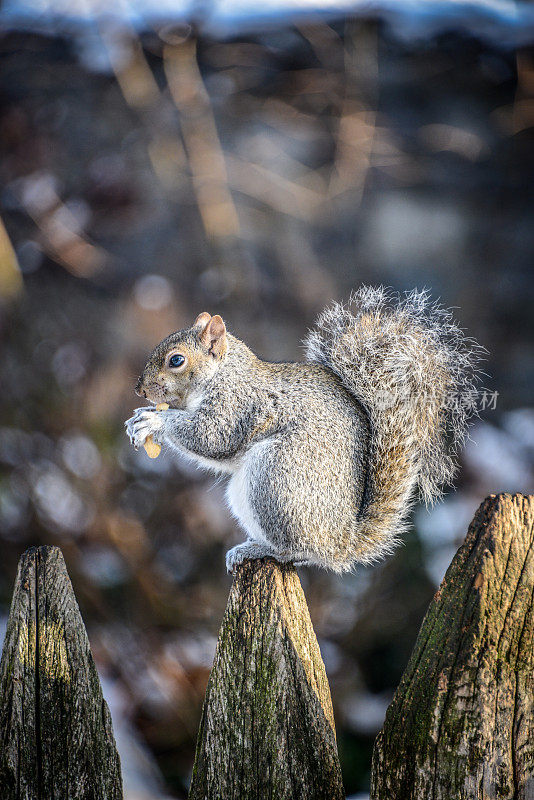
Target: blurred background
(159,162)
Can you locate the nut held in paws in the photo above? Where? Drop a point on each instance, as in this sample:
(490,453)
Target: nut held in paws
(152,448)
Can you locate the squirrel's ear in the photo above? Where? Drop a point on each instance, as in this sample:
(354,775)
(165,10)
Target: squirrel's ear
(202,320)
(214,337)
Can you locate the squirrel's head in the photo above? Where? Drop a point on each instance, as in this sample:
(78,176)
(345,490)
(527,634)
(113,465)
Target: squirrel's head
(184,362)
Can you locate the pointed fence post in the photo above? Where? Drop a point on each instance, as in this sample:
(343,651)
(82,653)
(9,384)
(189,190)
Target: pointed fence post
(56,739)
(267,727)
(461,724)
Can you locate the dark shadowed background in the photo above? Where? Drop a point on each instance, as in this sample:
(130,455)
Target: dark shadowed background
(151,172)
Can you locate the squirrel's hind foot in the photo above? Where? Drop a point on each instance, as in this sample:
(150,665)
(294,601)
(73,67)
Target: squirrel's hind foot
(249,551)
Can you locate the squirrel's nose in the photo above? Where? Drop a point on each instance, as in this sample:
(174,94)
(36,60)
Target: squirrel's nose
(139,392)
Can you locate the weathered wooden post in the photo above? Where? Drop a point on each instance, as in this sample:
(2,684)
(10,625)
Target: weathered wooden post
(461,724)
(56,739)
(267,728)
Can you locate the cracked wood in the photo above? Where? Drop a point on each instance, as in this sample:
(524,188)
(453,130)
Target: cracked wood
(267,727)
(56,739)
(461,724)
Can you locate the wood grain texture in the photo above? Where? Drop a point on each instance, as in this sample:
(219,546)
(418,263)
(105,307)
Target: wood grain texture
(56,738)
(461,724)
(267,727)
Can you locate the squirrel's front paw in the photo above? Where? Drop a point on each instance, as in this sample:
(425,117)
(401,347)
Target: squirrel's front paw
(145,422)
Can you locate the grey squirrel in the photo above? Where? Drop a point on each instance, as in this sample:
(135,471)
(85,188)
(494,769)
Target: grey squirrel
(324,456)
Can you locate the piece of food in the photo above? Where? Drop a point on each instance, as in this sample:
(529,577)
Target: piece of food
(152,448)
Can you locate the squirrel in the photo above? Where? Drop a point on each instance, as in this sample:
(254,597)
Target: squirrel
(324,457)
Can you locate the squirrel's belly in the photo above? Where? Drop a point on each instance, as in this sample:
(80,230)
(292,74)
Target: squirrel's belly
(237,496)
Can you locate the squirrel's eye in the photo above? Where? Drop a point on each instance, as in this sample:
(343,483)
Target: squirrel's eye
(176,360)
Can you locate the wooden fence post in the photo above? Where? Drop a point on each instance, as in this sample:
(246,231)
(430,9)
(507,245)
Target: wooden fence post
(461,724)
(267,727)
(56,739)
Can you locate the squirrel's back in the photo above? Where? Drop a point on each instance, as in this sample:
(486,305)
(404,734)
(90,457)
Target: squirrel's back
(414,372)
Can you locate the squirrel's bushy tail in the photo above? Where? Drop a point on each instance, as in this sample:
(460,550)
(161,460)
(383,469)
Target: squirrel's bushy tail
(414,372)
